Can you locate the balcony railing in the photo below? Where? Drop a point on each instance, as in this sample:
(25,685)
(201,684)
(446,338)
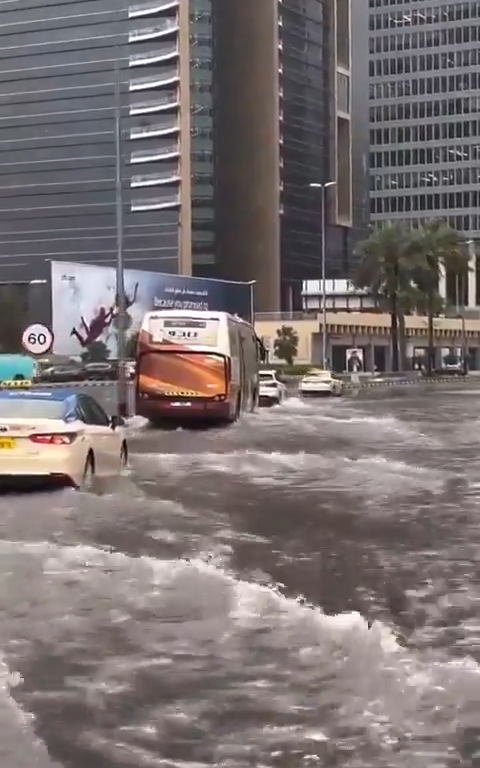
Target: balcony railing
(154,179)
(154,57)
(156,204)
(156,104)
(154,155)
(164,27)
(155,81)
(151,8)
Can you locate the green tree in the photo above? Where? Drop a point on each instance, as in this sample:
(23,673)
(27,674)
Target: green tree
(385,269)
(435,249)
(285,345)
(97,352)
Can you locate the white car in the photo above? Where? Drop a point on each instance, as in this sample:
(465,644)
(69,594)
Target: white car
(130,369)
(319,383)
(272,391)
(58,435)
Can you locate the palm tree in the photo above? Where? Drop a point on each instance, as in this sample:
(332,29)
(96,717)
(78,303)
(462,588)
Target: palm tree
(436,249)
(385,268)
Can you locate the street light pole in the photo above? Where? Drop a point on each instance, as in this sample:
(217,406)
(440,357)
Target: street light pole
(322,188)
(122,394)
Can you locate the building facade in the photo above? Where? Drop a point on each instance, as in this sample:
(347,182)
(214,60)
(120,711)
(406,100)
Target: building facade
(315,137)
(424,112)
(225,113)
(340,296)
(360,124)
(283,86)
(61,102)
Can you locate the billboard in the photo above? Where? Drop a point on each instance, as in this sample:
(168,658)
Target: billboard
(84,303)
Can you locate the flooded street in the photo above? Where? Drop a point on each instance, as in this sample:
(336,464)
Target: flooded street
(301,589)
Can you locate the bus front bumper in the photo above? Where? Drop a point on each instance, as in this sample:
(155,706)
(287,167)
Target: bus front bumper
(196,408)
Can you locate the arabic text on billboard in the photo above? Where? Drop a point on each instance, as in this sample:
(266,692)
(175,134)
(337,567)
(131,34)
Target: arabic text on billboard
(85,306)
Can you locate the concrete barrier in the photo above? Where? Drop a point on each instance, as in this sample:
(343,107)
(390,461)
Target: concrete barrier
(71,384)
(416,382)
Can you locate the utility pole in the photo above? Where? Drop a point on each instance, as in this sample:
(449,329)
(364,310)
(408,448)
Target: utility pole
(323,258)
(122,389)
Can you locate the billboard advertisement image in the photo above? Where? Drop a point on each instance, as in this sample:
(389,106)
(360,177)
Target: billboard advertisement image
(85,305)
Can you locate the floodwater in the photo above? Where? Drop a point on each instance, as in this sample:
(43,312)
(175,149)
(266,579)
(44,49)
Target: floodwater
(301,589)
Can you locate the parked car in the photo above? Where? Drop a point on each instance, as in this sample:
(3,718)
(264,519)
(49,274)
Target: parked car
(107,371)
(61,374)
(17,368)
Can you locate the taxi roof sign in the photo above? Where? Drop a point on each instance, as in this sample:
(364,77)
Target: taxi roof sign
(15,384)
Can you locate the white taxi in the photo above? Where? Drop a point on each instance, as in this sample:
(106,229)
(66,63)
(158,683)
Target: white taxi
(58,435)
(319,383)
(272,391)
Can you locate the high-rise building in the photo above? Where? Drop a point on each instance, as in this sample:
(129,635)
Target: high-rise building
(283,119)
(228,111)
(360,124)
(425,112)
(58,114)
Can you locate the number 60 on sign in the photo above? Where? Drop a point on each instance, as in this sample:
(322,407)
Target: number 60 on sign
(37,339)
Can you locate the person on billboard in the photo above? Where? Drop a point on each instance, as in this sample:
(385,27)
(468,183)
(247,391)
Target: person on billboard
(101,321)
(93,330)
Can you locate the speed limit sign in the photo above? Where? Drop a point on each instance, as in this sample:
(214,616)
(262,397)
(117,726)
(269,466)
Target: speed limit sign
(37,339)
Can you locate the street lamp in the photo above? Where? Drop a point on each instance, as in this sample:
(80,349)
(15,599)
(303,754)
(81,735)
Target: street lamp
(322,188)
(252,284)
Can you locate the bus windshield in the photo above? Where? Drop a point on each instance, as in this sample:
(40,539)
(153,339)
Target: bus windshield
(186,374)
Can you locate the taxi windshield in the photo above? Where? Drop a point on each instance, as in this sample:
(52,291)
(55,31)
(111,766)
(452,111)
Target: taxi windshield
(30,408)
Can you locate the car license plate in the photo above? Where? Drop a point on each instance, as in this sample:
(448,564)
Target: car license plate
(7,444)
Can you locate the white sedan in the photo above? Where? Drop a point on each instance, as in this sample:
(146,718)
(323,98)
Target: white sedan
(272,391)
(58,435)
(319,383)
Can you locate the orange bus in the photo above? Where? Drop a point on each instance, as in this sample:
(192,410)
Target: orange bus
(196,365)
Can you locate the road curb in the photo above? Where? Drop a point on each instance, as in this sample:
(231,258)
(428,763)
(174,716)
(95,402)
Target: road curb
(407,382)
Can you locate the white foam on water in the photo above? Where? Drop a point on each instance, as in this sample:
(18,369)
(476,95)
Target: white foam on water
(184,621)
(137,423)
(378,475)
(314,414)
(19,745)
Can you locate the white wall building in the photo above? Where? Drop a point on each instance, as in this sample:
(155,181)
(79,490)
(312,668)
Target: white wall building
(341,295)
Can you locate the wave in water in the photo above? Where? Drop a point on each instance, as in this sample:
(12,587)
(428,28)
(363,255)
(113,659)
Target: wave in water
(374,475)
(159,662)
(19,746)
(311,415)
